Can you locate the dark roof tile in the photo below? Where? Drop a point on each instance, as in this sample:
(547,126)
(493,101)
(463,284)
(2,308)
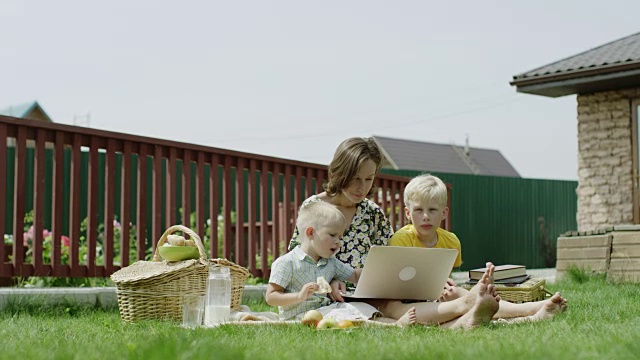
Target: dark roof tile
(617,52)
(443,158)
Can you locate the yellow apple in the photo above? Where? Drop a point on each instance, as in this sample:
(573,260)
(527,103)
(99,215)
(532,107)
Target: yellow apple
(311,317)
(327,323)
(344,324)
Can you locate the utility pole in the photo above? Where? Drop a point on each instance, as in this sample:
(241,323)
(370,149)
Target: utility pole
(82,120)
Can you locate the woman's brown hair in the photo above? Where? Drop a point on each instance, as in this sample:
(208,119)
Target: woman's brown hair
(347,160)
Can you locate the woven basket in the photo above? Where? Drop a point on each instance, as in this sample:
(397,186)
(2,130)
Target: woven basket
(238,278)
(154,289)
(530,290)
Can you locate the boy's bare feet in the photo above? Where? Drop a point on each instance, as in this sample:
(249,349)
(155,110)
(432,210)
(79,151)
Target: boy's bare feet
(486,305)
(550,308)
(409,318)
(487,278)
(452,292)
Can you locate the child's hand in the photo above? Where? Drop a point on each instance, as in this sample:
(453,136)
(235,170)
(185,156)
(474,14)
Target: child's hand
(337,289)
(307,291)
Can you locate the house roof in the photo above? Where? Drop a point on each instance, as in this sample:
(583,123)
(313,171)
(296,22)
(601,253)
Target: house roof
(30,110)
(614,65)
(403,154)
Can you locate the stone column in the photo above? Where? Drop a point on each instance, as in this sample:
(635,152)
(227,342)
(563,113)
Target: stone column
(605,163)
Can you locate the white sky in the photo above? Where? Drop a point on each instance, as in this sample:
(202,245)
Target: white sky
(294,78)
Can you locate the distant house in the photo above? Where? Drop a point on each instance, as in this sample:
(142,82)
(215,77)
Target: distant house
(31,110)
(606,80)
(400,154)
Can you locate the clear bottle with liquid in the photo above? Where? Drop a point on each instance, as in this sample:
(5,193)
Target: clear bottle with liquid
(218,302)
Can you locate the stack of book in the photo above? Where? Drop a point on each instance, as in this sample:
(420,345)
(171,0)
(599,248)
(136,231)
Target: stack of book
(504,274)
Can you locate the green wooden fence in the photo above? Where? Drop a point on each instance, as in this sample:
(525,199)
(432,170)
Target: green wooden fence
(508,220)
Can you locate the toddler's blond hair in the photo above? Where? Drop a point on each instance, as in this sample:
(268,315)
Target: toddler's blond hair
(318,214)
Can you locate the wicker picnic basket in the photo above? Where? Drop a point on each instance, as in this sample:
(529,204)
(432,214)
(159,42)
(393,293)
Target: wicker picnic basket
(530,290)
(154,289)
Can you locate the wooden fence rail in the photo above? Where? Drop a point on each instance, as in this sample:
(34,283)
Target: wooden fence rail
(244,204)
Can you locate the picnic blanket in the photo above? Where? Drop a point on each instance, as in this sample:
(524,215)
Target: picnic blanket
(245,314)
(354,311)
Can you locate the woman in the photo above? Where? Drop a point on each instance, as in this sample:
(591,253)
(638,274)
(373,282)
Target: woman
(352,172)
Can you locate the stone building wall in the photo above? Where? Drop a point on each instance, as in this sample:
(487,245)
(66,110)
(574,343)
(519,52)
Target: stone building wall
(605,165)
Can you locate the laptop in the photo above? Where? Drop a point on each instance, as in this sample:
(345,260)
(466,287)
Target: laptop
(404,273)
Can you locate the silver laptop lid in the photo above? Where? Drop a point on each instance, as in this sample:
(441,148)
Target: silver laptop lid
(405,273)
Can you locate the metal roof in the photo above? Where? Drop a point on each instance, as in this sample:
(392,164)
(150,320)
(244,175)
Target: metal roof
(443,158)
(613,65)
(23,110)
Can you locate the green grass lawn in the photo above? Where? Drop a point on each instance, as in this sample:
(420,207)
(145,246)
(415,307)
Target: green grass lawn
(603,322)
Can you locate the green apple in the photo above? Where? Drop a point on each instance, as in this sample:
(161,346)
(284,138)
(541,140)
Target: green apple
(327,323)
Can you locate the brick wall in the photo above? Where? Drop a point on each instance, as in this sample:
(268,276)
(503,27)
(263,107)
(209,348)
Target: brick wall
(605,163)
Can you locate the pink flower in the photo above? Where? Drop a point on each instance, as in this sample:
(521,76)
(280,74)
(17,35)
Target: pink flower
(28,236)
(66,241)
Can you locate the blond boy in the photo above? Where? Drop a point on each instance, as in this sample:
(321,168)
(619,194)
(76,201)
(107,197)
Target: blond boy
(425,199)
(293,283)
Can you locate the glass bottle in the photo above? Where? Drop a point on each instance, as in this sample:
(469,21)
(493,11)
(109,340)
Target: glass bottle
(218,300)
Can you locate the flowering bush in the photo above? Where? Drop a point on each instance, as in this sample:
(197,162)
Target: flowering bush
(28,238)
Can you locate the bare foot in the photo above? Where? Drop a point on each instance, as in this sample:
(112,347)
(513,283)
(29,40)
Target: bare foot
(452,292)
(409,318)
(486,305)
(550,308)
(487,278)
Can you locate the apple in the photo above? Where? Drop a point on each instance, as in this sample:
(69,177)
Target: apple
(312,317)
(345,324)
(327,323)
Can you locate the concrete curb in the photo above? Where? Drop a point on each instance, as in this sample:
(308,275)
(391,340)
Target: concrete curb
(106,296)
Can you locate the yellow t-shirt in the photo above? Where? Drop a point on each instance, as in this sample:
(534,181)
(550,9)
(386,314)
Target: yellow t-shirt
(407,236)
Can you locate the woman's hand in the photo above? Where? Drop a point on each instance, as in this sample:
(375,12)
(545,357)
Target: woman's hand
(337,289)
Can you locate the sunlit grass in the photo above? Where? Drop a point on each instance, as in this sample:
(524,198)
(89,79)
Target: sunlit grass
(603,321)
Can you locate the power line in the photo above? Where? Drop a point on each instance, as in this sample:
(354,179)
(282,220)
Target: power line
(391,126)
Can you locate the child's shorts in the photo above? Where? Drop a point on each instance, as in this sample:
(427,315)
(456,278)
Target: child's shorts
(347,311)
